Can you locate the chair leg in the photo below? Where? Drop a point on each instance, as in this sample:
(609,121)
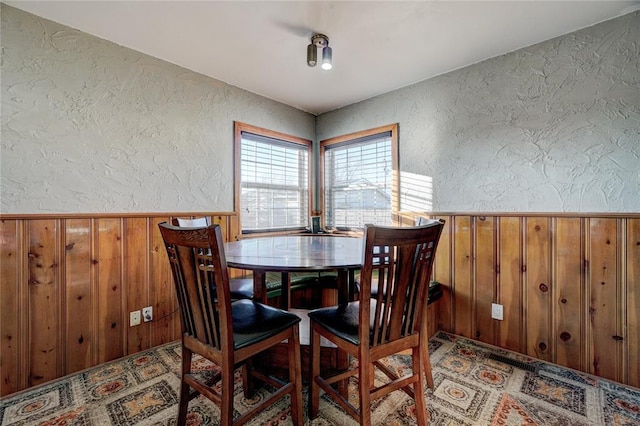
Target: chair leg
(424,348)
(226,394)
(248,381)
(364,389)
(184,388)
(372,373)
(422,416)
(314,389)
(342,361)
(295,376)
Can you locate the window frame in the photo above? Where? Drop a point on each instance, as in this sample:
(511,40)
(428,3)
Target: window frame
(356,138)
(240,128)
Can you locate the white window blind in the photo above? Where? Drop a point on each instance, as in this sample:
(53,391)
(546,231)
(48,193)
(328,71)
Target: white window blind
(359,182)
(274,184)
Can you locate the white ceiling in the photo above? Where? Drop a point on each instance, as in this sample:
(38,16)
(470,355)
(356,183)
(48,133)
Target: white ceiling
(377,46)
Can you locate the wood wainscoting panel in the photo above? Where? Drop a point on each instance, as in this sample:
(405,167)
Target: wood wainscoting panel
(166,321)
(632,291)
(485,277)
(539,289)
(68,283)
(223,222)
(79,295)
(110,304)
(570,292)
(605,338)
(12,302)
(136,264)
(442,273)
(44,328)
(462,285)
(510,285)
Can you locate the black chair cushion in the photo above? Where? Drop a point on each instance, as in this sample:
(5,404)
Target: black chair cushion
(254,322)
(342,320)
(241,288)
(435,292)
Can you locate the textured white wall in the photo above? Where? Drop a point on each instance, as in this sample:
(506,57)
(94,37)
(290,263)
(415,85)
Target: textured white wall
(89,126)
(553,127)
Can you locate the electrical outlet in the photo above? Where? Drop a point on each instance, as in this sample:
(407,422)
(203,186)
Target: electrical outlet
(497,311)
(147,314)
(134,318)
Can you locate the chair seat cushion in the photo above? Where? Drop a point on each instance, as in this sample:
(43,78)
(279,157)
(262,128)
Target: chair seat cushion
(254,322)
(342,320)
(435,292)
(241,288)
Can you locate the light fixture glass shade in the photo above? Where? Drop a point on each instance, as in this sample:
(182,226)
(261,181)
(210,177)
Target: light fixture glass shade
(326,58)
(312,55)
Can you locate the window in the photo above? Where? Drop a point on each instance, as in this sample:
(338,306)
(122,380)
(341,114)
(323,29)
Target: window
(360,178)
(272,180)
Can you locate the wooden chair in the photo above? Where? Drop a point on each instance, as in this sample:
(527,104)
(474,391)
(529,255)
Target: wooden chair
(372,329)
(224,332)
(420,221)
(241,288)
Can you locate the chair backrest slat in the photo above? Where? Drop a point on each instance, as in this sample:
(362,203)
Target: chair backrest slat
(208,296)
(403,259)
(186,314)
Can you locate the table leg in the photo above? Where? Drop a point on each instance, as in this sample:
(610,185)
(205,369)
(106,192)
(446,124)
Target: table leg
(285,294)
(343,286)
(259,286)
(352,285)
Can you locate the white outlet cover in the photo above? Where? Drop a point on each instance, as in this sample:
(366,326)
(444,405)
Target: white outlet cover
(497,311)
(134,318)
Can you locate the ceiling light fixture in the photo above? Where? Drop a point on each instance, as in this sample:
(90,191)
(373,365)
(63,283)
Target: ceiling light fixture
(319,41)
(326,58)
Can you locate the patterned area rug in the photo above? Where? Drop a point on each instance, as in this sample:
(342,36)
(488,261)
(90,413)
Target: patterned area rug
(474,385)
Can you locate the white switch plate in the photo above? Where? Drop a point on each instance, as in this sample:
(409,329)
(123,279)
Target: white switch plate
(497,311)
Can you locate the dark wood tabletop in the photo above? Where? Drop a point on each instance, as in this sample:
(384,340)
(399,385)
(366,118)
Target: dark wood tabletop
(295,253)
(291,253)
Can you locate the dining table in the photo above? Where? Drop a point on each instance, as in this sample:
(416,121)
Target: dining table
(300,253)
(297,253)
